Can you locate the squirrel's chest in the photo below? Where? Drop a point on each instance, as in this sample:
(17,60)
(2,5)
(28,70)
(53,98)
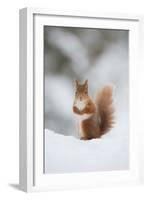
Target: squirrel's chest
(80,104)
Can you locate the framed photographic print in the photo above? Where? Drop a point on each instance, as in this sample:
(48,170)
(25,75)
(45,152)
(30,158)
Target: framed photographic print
(80,122)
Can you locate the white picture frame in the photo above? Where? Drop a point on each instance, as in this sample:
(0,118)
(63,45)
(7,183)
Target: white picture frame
(31,174)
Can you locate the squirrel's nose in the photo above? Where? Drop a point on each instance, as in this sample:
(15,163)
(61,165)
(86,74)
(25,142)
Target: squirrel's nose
(80,98)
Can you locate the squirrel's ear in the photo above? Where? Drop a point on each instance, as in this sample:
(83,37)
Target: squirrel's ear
(86,82)
(77,83)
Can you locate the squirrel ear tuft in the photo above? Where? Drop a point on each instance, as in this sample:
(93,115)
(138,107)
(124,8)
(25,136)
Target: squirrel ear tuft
(77,83)
(86,82)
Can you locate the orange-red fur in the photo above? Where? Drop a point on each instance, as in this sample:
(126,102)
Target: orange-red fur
(100,112)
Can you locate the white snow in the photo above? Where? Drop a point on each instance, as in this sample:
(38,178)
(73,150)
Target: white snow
(65,154)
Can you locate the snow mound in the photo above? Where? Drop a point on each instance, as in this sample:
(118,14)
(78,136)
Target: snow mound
(65,154)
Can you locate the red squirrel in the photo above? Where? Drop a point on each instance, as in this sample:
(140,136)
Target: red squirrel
(95,118)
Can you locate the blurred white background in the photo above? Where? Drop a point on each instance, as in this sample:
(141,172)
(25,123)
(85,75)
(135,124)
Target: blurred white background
(9,49)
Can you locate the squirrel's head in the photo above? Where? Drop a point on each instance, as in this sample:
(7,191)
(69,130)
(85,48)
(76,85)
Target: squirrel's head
(81,92)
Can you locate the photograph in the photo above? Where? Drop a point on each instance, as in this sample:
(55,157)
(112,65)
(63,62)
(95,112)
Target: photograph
(86,99)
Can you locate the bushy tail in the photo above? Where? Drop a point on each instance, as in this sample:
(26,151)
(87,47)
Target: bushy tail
(104,102)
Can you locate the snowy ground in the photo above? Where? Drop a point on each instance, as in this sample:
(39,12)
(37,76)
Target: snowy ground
(69,154)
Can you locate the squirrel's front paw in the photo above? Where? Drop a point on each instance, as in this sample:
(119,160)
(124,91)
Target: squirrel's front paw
(76,110)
